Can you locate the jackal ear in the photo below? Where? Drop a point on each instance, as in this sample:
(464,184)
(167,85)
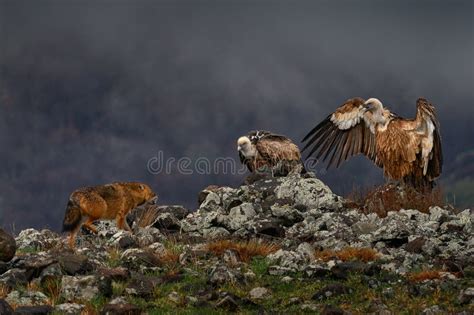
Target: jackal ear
(142,187)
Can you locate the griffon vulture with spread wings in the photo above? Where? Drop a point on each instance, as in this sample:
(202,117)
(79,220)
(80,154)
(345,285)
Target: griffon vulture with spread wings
(264,151)
(408,150)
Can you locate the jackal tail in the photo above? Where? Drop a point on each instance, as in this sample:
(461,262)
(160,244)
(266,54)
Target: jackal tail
(72,217)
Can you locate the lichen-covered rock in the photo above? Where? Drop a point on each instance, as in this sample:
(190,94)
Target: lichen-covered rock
(259,293)
(292,260)
(82,288)
(310,192)
(222,274)
(73,264)
(141,286)
(466,296)
(34,263)
(69,308)
(239,215)
(34,239)
(14,277)
(136,258)
(148,235)
(26,298)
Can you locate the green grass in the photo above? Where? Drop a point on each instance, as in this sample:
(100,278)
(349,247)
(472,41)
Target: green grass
(27,250)
(195,280)
(259,265)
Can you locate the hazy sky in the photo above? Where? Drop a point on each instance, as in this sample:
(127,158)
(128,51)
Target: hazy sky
(90,91)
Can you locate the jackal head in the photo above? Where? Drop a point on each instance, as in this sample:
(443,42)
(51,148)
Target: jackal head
(142,193)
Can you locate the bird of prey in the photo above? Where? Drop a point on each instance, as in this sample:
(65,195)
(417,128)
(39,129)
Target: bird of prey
(408,150)
(263,151)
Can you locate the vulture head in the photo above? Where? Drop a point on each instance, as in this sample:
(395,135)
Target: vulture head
(373,105)
(245,147)
(375,108)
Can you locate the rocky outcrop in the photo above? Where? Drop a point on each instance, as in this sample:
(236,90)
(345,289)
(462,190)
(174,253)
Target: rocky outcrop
(282,235)
(268,207)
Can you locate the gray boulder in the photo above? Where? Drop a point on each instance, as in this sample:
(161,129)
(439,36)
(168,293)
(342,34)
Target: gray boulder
(7,246)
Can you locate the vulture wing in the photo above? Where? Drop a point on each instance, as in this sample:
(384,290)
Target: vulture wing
(428,125)
(345,133)
(274,148)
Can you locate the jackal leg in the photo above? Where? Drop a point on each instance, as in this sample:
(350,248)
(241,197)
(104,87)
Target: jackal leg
(72,237)
(88,225)
(122,222)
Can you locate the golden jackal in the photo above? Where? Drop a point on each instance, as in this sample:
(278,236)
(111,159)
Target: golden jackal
(108,202)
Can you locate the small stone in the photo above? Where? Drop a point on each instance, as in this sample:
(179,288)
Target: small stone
(286,279)
(466,296)
(115,274)
(141,286)
(14,277)
(361,228)
(82,288)
(250,275)
(259,293)
(331,290)
(310,307)
(227,303)
(73,264)
(221,274)
(121,309)
(279,271)
(174,297)
(69,308)
(294,301)
(192,300)
(158,248)
(118,300)
(127,241)
(26,298)
(432,310)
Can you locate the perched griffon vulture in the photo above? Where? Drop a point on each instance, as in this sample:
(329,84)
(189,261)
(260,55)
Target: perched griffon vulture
(408,150)
(265,151)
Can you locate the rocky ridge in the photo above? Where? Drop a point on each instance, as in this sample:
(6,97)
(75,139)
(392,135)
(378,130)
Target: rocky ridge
(276,244)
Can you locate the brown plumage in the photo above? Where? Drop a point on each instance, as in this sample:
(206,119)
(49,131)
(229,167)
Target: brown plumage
(408,150)
(263,151)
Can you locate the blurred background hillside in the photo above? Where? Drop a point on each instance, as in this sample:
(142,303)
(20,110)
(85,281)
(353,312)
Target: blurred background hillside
(90,91)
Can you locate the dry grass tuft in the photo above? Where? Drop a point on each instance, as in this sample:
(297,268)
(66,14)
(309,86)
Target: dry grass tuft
(424,275)
(4,290)
(51,286)
(169,257)
(392,197)
(89,310)
(148,216)
(245,249)
(348,254)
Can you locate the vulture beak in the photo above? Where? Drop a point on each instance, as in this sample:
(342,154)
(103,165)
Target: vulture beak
(239,148)
(368,107)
